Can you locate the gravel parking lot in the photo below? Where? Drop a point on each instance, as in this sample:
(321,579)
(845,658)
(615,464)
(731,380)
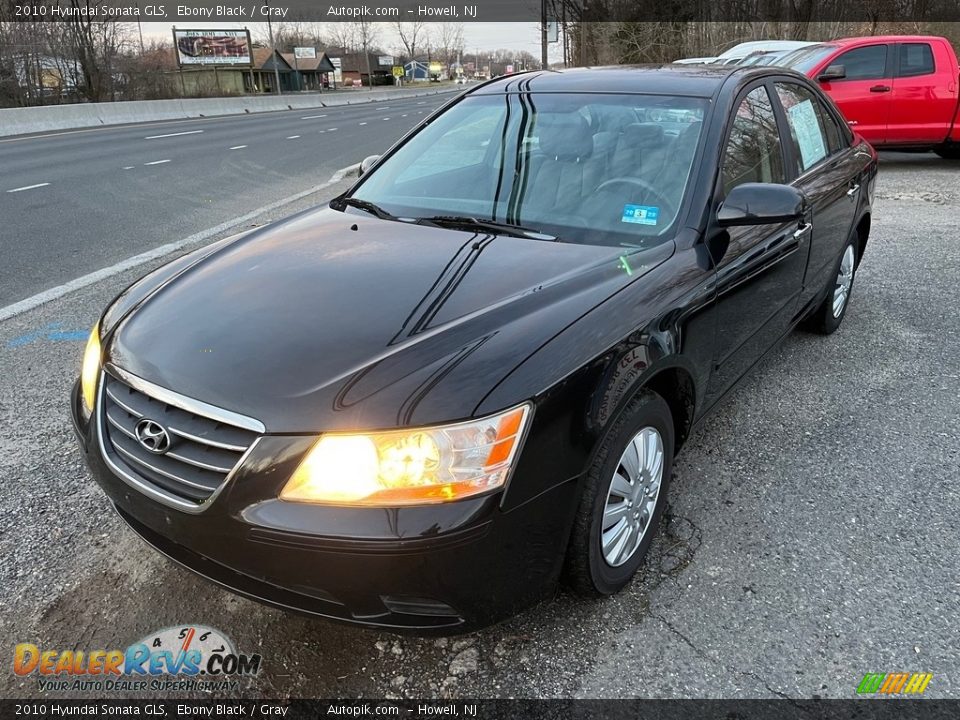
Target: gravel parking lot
(811,538)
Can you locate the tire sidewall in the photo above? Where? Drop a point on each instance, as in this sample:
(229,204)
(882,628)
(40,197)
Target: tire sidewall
(650,411)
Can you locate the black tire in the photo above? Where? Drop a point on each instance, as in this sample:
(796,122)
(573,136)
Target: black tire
(949,152)
(823,320)
(587,571)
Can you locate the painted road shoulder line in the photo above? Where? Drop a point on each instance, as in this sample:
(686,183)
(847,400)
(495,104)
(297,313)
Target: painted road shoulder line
(79,283)
(28,187)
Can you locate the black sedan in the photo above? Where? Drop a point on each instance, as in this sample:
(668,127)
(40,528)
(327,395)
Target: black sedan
(468,377)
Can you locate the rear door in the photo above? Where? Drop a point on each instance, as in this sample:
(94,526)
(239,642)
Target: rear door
(863,96)
(924,95)
(826,170)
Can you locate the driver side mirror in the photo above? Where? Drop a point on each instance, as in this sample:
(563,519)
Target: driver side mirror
(832,72)
(368,162)
(761,204)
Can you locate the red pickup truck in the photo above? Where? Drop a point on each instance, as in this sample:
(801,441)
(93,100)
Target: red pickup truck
(897,91)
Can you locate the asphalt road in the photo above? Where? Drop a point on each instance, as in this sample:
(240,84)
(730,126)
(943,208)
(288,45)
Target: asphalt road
(812,534)
(75,202)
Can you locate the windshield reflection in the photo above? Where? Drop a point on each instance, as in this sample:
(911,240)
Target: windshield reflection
(584,168)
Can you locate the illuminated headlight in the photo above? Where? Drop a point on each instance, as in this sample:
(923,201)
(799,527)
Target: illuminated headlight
(410,467)
(90,370)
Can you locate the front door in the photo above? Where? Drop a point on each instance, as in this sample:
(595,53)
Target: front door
(759,268)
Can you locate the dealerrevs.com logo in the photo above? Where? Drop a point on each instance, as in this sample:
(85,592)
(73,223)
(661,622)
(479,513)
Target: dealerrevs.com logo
(191,657)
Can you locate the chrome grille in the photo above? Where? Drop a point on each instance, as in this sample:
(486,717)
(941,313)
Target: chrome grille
(202,451)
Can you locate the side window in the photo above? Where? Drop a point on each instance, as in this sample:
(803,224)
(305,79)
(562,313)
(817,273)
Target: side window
(915,59)
(754,152)
(813,131)
(865,63)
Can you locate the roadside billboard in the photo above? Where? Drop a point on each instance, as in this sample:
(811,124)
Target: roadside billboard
(385,60)
(213,47)
(305,53)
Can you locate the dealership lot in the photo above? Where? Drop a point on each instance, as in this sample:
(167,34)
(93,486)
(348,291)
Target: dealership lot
(811,536)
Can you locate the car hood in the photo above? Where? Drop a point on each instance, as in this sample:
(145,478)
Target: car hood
(334,321)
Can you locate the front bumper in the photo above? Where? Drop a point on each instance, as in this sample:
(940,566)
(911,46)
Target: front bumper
(444,568)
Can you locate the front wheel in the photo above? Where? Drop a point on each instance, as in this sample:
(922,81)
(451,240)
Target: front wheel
(827,318)
(623,499)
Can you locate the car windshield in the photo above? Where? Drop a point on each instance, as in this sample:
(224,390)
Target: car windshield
(805,59)
(585,168)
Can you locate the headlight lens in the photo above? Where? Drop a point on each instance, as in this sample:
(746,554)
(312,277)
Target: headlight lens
(90,369)
(410,467)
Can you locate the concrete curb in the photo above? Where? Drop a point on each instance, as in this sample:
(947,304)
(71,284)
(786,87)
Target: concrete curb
(21,121)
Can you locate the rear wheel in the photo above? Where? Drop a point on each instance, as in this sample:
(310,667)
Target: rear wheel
(624,498)
(827,318)
(949,152)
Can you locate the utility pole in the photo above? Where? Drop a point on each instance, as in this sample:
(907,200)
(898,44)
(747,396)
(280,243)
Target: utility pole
(273,58)
(543,35)
(139,30)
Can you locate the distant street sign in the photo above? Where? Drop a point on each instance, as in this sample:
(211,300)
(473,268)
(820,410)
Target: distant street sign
(303,53)
(397,71)
(509,69)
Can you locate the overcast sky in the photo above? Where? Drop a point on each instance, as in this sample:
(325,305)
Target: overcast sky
(482,36)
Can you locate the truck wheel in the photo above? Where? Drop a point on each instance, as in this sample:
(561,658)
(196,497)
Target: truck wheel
(623,499)
(949,152)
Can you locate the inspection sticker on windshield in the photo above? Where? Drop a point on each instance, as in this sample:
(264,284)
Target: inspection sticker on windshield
(640,214)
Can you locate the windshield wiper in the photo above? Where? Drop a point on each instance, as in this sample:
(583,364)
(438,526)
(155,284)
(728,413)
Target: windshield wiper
(466,222)
(370,207)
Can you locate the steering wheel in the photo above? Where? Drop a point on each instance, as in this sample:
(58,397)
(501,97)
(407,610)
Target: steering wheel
(648,189)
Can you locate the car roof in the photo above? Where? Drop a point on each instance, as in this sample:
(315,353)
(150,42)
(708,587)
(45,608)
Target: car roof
(754,45)
(666,79)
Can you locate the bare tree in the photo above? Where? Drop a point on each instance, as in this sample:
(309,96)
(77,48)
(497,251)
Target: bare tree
(94,45)
(448,39)
(413,35)
(368,35)
(344,35)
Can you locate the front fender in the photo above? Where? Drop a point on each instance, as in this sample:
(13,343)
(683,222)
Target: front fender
(582,378)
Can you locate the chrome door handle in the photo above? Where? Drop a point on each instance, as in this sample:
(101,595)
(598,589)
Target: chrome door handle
(802,230)
(853,190)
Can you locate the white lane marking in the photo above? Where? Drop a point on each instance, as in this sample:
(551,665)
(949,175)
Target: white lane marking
(128,167)
(422,103)
(404,115)
(238,147)
(157,162)
(312,117)
(386,118)
(81,282)
(293,137)
(28,187)
(331,129)
(363,123)
(188,132)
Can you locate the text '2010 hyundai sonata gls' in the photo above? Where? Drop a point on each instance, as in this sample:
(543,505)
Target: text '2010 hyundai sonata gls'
(467,378)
